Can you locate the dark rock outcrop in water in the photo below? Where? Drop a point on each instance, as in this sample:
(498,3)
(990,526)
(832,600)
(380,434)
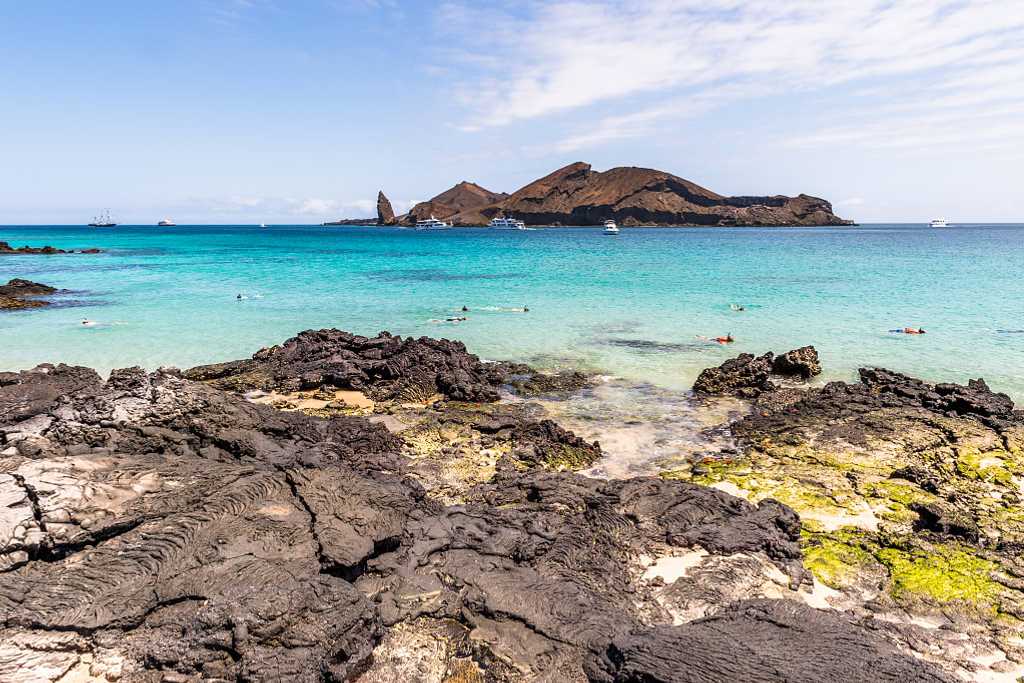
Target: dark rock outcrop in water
(18,294)
(578,195)
(7,250)
(384,367)
(157,528)
(745,376)
(802,363)
(385,214)
(749,376)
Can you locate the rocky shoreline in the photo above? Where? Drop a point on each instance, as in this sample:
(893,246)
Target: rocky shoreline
(7,250)
(20,294)
(340,507)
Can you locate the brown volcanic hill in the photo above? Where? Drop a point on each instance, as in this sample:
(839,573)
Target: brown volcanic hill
(464,197)
(578,195)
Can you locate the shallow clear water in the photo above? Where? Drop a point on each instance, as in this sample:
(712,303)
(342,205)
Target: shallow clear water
(630,305)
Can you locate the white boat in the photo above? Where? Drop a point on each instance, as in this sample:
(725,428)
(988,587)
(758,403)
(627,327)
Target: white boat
(263,225)
(939,223)
(166,223)
(610,228)
(432,224)
(507,224)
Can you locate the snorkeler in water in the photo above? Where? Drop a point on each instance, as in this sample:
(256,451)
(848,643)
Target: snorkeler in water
(727,339)
(737,307)
(909,330)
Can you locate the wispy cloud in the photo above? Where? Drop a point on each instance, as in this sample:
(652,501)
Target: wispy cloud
(230,13)
(925,57)
(309,207)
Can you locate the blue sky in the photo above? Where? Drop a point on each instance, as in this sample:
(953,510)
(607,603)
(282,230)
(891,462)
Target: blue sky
(299,111)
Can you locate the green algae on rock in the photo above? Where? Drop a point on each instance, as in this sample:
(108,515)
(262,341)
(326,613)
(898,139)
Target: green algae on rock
(910,501)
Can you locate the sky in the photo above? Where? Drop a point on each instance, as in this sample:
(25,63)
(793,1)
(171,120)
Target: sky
(299,111)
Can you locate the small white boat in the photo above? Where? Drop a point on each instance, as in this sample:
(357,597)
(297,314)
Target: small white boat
(507,224)
(432,224)
(610,228)
(939,223)
(263,225)
(166,223)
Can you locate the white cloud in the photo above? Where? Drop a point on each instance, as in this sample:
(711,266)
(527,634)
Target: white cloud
(928,56)
(311,207)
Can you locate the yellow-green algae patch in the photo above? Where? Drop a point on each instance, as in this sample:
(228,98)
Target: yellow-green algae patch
(944,574)
(933,574)
(996,466)
(836,559)
(823,497)
(565,457)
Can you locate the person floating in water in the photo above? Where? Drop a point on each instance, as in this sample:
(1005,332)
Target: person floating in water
(465,310)
(737,307)
(525,309)
(909,330)
(727,339)
(457,319)
(239,297)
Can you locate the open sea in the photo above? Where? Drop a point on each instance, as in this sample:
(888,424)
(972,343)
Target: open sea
(632,306)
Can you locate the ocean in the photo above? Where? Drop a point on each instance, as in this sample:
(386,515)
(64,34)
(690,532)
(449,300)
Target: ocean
(632,306)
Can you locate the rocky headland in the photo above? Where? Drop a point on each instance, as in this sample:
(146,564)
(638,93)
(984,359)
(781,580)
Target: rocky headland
(7,250)
(579,195)
(349,508)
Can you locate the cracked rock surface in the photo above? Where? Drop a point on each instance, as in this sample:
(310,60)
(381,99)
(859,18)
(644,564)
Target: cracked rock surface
(155,528)
(911,498)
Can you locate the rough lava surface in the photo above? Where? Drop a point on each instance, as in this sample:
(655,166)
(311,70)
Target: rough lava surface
(156,527)
(910,498)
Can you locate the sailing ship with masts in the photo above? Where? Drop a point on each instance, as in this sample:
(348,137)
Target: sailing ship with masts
(103,220)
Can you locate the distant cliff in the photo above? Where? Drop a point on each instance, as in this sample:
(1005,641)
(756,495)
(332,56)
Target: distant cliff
(578,195)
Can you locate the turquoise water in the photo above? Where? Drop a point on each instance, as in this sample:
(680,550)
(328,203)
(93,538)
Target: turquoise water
(631,305)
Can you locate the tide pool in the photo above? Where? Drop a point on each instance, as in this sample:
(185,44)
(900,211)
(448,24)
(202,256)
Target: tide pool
(630,306)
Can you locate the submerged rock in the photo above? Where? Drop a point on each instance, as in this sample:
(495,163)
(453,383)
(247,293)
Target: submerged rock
(526,381)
